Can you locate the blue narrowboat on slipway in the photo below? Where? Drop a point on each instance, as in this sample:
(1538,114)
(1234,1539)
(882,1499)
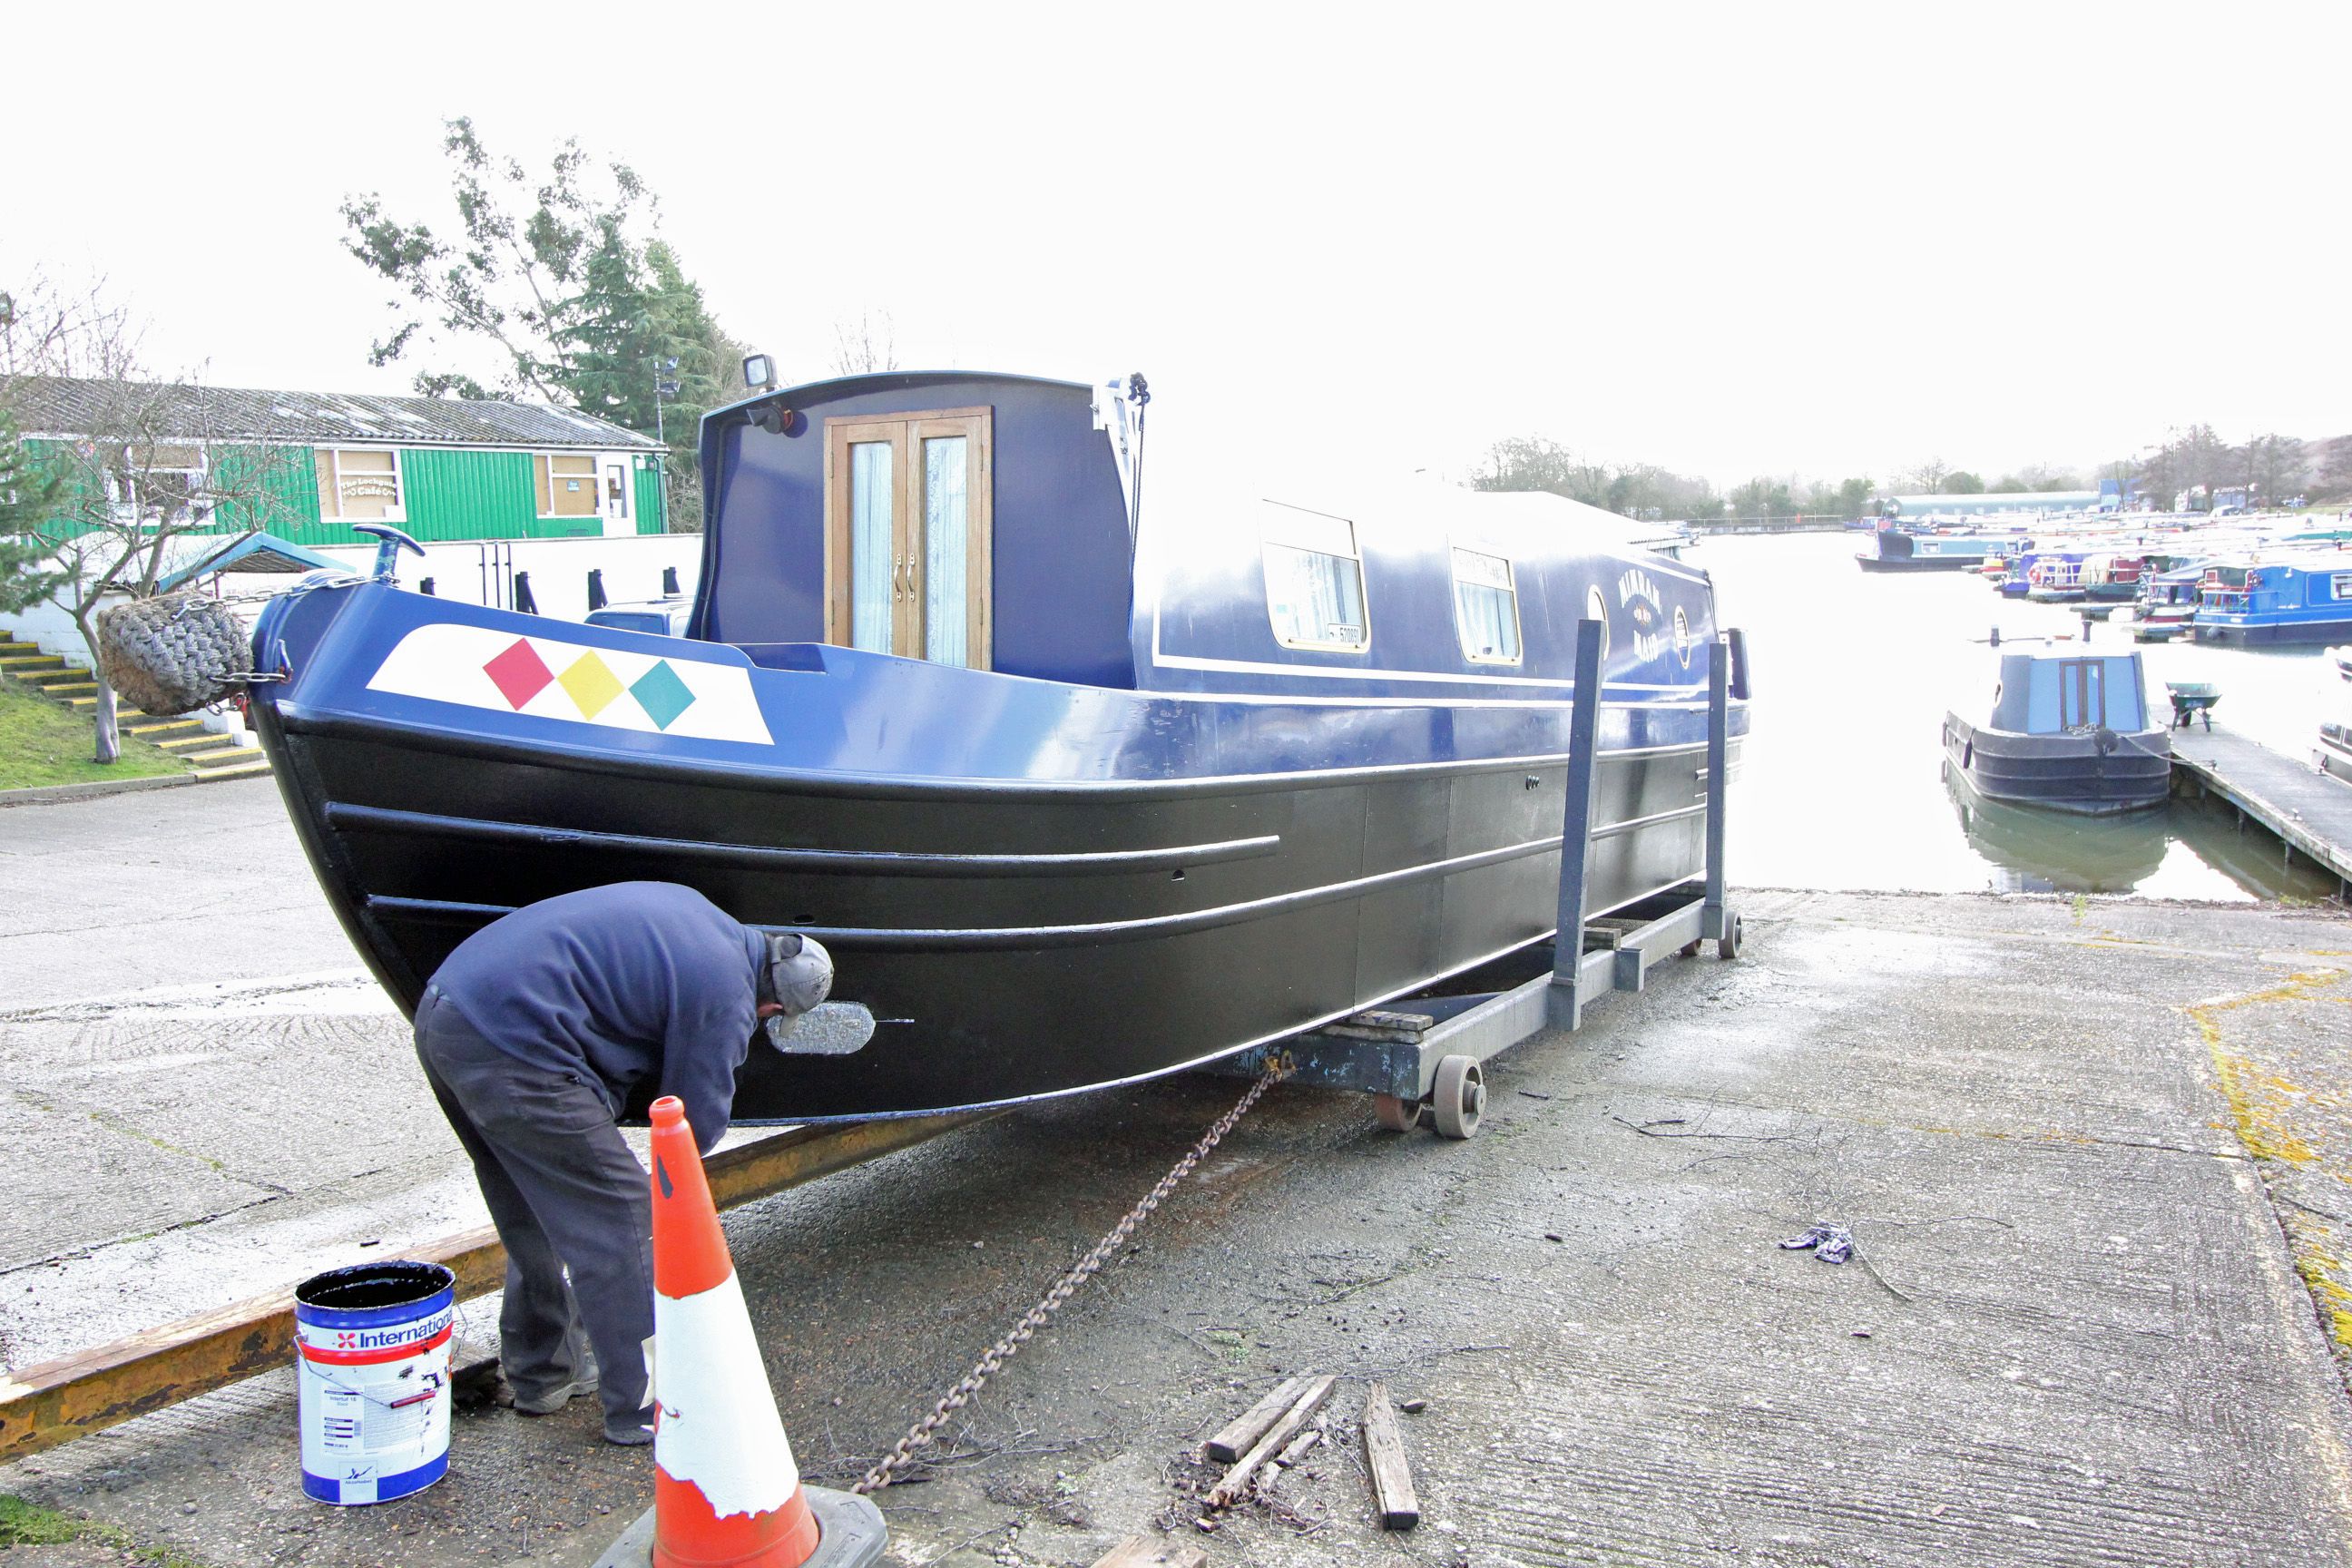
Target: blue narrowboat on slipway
(2285,599)
(1079,783)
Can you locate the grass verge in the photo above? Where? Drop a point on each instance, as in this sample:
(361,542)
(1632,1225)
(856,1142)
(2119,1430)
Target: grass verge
(29,1524)
(42,743)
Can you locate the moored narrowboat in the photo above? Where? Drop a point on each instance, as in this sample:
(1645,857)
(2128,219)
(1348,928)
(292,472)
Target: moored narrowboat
(1078,785)
(2335,725)
(2302,598)
(1896,549)
(2069,731)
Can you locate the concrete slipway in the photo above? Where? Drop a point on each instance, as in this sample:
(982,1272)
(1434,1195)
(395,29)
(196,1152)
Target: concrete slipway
(2051,1126)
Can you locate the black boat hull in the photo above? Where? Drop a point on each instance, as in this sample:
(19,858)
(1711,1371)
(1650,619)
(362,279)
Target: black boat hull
(2093,773)
(1200,917)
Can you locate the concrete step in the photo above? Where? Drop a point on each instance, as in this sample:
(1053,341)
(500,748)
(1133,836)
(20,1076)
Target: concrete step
(190,728)
(24,663)
(68,687)
(225,754)
(201,737)
(250,770)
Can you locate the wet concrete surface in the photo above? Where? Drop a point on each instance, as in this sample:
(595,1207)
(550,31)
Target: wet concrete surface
(2077,1334)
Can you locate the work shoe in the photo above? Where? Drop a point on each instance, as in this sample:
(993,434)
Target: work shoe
(583,1381)
(628,1435)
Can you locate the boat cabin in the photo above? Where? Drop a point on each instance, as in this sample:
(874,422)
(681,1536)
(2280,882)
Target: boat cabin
(2323,584)
(997,522)
(2049,694)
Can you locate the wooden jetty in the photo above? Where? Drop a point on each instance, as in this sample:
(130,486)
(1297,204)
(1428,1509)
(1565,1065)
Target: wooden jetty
(2310,811)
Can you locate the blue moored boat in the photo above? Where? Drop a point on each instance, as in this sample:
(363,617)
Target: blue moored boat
(2286,599)
(1077,788)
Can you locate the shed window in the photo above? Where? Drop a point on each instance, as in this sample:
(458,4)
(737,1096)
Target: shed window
(567,485)
(1314,581)
(360,485)
(1486,607)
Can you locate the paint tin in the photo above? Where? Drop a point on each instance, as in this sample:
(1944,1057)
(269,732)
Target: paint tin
(372,1344)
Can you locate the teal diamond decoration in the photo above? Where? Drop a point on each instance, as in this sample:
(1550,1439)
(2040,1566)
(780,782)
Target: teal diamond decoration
(662,695)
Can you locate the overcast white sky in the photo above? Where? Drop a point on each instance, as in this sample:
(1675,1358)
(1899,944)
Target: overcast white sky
(1734,241)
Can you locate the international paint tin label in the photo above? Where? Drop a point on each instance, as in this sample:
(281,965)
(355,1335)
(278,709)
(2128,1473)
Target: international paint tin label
(373,1349)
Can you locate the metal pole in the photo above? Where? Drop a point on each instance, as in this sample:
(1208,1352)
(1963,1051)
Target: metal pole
(1719,781)
(1564,1003)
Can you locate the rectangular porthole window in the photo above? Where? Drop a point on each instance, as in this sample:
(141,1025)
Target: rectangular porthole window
(1486,607)
(1314,581)
(2344,586)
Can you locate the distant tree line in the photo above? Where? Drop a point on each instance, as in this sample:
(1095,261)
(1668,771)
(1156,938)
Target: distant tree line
(2194,460)
(2191,460)
(1646,490)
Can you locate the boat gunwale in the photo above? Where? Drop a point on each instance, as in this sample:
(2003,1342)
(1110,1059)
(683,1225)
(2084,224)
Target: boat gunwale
(710,773)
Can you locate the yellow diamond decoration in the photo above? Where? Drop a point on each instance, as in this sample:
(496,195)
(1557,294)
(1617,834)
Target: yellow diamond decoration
(592,685)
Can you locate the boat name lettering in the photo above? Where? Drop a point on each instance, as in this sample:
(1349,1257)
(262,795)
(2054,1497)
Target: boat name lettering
(1638,591)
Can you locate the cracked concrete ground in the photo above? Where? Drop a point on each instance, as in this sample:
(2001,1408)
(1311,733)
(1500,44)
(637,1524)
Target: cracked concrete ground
(2050,1126)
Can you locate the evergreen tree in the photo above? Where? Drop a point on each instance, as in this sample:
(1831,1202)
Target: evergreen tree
(551,277)
(31,496)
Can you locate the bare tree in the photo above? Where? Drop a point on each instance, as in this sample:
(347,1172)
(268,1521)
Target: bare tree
(2271,466)
(138,462)
(859,350)
(1924,478)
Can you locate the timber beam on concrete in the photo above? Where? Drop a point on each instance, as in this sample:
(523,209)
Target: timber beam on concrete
(58,1401)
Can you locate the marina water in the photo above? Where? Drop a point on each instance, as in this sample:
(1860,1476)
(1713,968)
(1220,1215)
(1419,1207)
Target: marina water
(1844,782)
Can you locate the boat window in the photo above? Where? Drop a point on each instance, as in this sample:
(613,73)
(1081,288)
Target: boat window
(1486,607)
(2082,692)
(908,519)
(1314,579)
(2343,584)
(873,560)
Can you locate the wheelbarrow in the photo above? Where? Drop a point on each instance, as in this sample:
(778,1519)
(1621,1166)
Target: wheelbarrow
(2191,698)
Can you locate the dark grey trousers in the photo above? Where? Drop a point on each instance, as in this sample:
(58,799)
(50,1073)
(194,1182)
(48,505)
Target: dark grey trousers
(563,1189)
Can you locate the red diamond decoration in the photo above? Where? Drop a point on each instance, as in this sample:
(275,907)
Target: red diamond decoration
(518,672)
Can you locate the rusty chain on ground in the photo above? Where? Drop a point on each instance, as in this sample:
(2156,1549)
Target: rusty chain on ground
(920,1434)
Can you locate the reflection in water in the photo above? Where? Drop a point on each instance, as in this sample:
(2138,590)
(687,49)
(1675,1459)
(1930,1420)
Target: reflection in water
(1841,782)
(2035,851)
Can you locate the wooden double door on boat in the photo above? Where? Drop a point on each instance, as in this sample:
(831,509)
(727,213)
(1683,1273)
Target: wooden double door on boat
(907,540)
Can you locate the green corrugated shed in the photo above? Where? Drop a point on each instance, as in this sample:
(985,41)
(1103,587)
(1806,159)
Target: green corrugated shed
(468,495)
(653,509)
(447,495)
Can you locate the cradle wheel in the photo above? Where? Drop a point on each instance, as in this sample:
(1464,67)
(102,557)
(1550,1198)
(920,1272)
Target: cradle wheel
(1395,1112)
(1460,1097)
(1728,944)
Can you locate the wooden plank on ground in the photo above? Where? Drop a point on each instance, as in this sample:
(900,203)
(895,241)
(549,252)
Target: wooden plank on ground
(1237,1438)
(1142,1551)
(1384,1458)
(1301,1411)
(58,1401)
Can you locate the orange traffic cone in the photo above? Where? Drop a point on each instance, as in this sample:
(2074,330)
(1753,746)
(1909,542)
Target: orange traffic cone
(726,1491)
